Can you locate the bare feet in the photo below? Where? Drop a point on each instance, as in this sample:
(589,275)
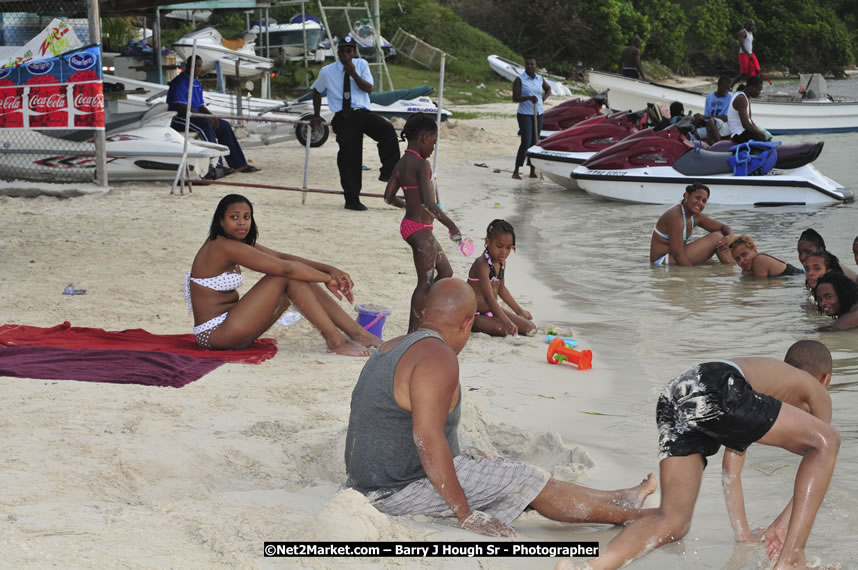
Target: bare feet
(634,497)
(516,175)
(350,348)
(366,338)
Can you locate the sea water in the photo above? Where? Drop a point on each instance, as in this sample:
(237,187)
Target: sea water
(651,323)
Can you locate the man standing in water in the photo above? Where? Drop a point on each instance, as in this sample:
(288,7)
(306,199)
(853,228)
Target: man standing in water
(630,60)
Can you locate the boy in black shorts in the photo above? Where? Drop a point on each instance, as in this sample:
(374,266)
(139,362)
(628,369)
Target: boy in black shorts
(735,403)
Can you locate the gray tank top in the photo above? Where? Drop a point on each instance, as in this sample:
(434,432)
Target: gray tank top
(380,450)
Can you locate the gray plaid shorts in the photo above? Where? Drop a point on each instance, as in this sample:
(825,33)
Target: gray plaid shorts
(500,488)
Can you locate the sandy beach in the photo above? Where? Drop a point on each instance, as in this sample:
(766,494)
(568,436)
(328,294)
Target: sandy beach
(129,476)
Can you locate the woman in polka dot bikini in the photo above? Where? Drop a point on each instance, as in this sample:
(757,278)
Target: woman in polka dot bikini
(223,320)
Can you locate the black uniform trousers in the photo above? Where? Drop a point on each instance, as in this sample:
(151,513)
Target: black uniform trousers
(350,129)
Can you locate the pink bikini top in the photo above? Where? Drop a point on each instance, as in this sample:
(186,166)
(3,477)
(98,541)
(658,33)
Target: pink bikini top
(430,170)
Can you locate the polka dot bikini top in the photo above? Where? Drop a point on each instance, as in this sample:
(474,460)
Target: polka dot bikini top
(226,281)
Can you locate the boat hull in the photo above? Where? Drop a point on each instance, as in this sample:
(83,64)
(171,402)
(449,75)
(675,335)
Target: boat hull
(664,185)
(779,118)
(557,166)
(289,37)
(510,70)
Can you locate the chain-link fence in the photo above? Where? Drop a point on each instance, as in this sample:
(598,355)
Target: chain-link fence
(32,95)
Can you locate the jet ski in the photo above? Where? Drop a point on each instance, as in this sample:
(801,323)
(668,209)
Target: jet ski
(139,145)
(562,152)
(654,167)
(569,113)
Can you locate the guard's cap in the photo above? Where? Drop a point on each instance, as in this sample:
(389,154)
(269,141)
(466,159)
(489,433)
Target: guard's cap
(347,41)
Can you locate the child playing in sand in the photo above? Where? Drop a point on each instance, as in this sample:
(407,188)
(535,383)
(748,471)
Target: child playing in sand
(734,404)
(414,175)
(487,278)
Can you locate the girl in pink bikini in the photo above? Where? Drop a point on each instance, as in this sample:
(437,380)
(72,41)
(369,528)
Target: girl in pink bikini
(487,278)
(414,175)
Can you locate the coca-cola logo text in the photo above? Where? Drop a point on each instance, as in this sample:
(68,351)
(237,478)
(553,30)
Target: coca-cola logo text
(40,67)
(93,101)
(10,103)
(53,101)
(81,61)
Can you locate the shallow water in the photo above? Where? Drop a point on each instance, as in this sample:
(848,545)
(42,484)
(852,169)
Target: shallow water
(658,322)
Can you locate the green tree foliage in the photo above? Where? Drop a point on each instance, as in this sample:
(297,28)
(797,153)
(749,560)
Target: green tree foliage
(439,26)
(116,33)
(709,40)
(801,34)
(667,27)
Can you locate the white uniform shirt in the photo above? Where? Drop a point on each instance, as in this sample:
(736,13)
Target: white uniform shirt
(330,83)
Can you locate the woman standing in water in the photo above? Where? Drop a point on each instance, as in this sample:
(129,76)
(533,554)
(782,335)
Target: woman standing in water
(672,243)
(223,320)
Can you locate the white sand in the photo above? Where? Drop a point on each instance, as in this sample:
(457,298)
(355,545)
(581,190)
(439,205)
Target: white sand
(98,475)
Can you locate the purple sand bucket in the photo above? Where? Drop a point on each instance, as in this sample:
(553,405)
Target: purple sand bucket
(371,317)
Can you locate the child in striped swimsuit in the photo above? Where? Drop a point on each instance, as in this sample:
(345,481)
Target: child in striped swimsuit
(414,175)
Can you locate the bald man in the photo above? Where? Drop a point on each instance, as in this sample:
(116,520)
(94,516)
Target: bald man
(402,449)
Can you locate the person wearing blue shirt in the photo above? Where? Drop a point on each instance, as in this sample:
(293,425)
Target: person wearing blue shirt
(211,129)
(712,124)
(529,90)
(347,84)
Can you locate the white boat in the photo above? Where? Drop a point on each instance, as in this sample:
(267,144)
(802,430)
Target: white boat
(779,118)
(510,70)
(654,167)
(289,39)
(140,146)
(250,133)
(213,47)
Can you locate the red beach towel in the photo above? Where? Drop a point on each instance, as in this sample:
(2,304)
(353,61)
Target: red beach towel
(114,366)
(67,336)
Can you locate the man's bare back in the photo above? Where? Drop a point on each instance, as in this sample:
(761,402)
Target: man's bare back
(788,384)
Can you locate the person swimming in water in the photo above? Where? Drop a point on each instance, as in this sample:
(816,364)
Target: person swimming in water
(760,265)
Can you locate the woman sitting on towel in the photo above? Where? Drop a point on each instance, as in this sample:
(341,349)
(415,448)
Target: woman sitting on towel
(672,243)
(223,320)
